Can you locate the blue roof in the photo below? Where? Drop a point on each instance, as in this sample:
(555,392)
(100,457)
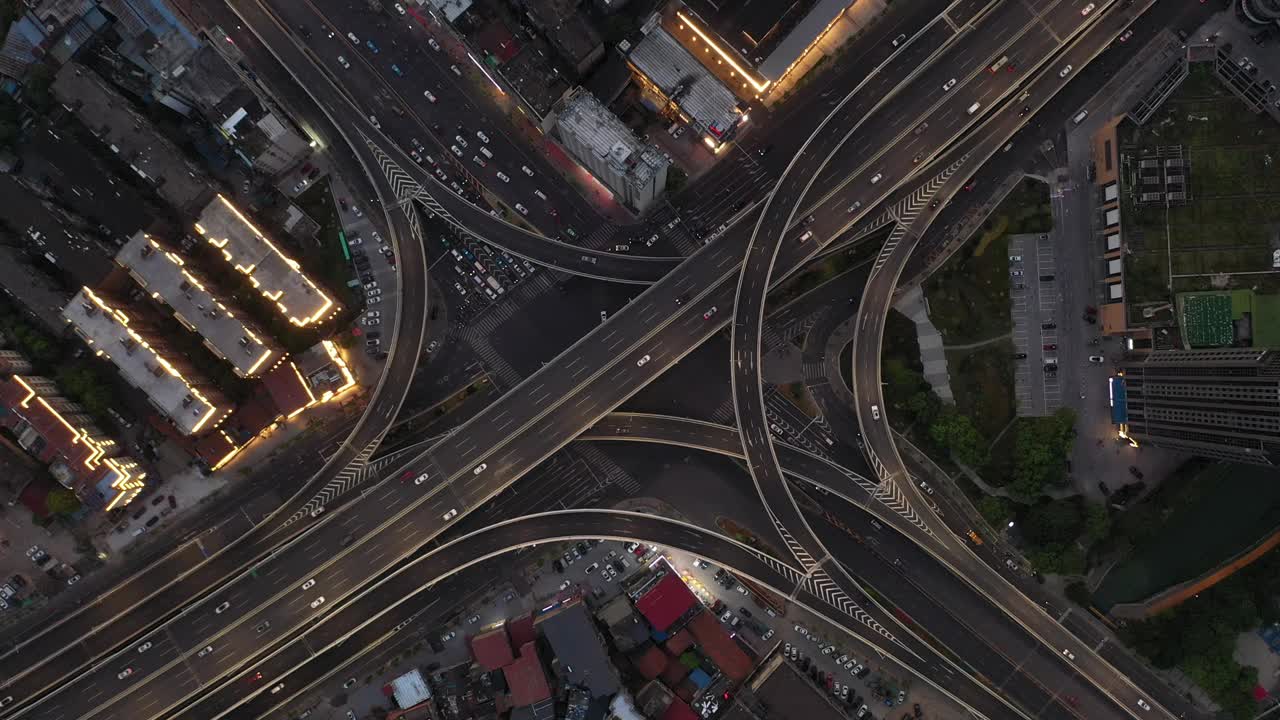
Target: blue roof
(1119,409)
(700,678)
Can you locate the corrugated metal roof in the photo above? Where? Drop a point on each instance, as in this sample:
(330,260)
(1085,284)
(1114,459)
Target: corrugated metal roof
(594,125)
(682,78)
(801,37)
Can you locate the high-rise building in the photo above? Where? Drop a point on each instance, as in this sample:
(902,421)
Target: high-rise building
(636,172)
(1222,403)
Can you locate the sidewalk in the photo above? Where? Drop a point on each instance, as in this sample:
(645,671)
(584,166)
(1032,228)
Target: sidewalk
(913,304)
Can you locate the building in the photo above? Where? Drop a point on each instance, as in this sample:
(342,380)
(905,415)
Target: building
(597,139)
(1222,403)
(492,649)
(12,362)
(526,680)
(277,276)
(579,650)
(60,434)
(666,601)
(675,83)
(189,401)
(568,30)
(719,647)
(260,139)
(166,277)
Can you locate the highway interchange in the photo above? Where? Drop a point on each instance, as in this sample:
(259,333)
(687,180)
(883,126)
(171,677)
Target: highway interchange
(374,534)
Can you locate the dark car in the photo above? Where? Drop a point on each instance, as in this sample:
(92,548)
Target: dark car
(1019,356)
(1048,326)
(1046,278)
(764,150)
(1134,471)
(1051,369)
(1048,346)
(1025,109)
(154,519)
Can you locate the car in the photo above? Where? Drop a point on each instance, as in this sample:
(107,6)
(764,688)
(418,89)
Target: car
(427,94)
(262,627)
(1065,71)
(473,619)
(1048,326)
(1019,356)
(1097,359)
(1134,471)
(592,567)
(221,608)
(399,8)
(456,151)
(948,85)
(642,361)
(1050,346)
(877,178)
(373,47)
(462,142)
(828,649)
(526,170)
(522,209)
(928,489)
(483,138)
(710,313)
(317,602)
(899,40)
(343,62)
(448,636)
(124,673)
(479,468)
(1023,112)
(455,70)
(503,177)
(1015,273)
(434,45)
(1015,258)
(875,412)
(396,69)
(374,122)
(73,579)
(144,647)
(421,479)
(1143,704)
(1125,37)
(1084,11)
(278,687)
(352,37)
(1066,653)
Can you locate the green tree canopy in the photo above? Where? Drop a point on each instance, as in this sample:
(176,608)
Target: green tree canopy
(956,433)
(62,501)
(1041,447)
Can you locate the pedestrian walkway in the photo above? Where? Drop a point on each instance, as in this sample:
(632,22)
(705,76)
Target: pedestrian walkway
(933,355)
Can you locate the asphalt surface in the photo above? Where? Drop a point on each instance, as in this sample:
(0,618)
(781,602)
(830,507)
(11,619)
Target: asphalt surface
(487,455)
(875,304)
(155,594)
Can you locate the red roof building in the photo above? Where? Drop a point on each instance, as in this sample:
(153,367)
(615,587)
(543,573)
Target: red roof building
(674,673)
(496,40)
(679,642)
(521,630)
(526,679)
(719,647)
(679,710)
(492,650)
(651,663)
(288,390)
(666,602)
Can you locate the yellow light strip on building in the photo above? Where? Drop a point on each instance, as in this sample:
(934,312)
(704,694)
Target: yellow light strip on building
(30,391)
(758,85)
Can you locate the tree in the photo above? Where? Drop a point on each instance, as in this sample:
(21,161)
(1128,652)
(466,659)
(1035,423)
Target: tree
(995,510)
(1041,446)
(1097,523)
(1056,522)
(956,433)
(62,501)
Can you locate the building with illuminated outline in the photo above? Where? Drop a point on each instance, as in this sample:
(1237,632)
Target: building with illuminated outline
(190,402)
(278,277)
(167,278)
(60,434)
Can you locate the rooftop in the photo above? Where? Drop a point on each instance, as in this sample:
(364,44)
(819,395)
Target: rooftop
(698,93)
(525,678)
(666,602)
(165,276)
(720,647)
(277,276)
(410,689)
(586,119)
(107,329)
(579,650)
(491,649)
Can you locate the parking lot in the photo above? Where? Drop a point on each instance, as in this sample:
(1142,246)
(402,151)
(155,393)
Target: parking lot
(1035,298)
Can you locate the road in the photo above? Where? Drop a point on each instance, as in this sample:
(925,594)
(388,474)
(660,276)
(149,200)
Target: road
(155,594)
(872,312)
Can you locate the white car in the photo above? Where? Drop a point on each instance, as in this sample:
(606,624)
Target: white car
(462,142)
(456,150)
(421,479)
(1065,71)
(642,361)
(522,209)
(1015,258)
(456,70)
(205,651)
(503,177)
(309,584)
(317,602)
(948,85)
(352,37)
(343,62)
(277,688)
(448,636)
(1097,359)
(144,647)
(221,608)
(478,160)
(1143,704)
(399,8)
(320,510)
(124,673)
(480,468)
(1084,12)
(483,138)
(877,178)
(875,412)
(434,45)
(373,314)
(525,169)
(427,94)
(1068,654)
(374,122)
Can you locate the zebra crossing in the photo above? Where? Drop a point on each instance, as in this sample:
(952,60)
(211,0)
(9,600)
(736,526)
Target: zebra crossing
(724,413)
(598,238)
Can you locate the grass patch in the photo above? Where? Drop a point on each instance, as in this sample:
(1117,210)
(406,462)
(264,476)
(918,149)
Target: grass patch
(1234,186)
(982,382)
(969,295)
